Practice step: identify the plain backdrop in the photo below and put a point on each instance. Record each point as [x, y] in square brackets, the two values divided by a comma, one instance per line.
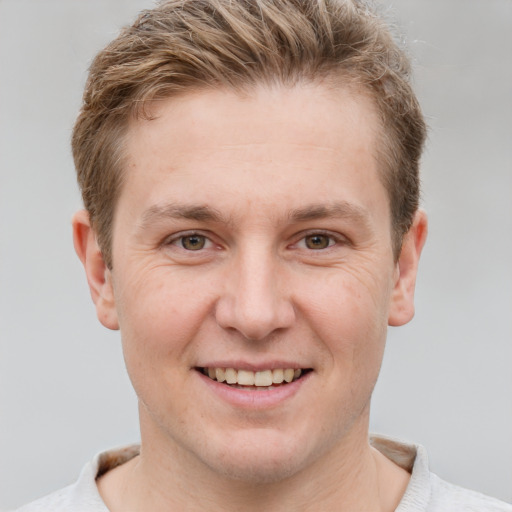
[446, 380]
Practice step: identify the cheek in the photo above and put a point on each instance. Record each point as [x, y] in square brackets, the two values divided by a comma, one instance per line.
[158, 326]
[160, 315]
[350, 328]
[349, 318]
[347, 304]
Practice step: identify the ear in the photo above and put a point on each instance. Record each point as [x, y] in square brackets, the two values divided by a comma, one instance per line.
[99, 276]
[402, 299]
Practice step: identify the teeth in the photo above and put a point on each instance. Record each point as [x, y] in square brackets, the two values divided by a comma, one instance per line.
[288, 374]
[246, 378]
[278, 376]
[220, 374]
[231, 376]
[262, 379]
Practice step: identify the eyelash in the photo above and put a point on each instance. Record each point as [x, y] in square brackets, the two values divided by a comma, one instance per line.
[333, 240]
[176, 239]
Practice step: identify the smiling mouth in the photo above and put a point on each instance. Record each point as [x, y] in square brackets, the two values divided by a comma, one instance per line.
[254, 381]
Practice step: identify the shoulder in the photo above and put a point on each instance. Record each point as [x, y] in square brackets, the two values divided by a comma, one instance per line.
[449, 497]
[427, 492]
[83, 495]
[60, 501]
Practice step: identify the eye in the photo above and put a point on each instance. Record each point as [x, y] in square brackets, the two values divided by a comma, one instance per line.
[320, 246]
[318, 241]
[193, 242]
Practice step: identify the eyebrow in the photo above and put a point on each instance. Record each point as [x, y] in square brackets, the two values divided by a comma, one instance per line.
[174, 211]
[340, 209]
[204, 213]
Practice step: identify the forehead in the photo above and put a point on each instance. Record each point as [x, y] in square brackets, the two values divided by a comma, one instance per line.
[258, 113]
[290, 140]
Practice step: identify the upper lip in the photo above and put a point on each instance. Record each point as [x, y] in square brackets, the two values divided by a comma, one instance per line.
[254, 367]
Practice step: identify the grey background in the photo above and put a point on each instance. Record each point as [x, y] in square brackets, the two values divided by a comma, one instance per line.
[446, 380]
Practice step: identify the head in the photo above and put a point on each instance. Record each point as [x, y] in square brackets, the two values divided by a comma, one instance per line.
[185, 46]
[250, 174]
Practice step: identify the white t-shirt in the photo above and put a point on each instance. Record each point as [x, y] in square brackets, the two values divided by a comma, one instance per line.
[425, 493]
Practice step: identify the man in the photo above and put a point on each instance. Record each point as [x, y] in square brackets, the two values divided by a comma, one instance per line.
[249, 171]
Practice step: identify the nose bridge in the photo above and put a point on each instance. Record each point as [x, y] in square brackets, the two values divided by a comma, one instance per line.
[256, 301]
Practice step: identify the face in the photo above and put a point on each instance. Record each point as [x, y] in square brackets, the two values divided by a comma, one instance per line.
[252, 243]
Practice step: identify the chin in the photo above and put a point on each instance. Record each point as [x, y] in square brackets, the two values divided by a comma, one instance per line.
[266, 460]
[258, 472]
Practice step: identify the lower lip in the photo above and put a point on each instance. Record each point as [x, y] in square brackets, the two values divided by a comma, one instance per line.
[253, 399]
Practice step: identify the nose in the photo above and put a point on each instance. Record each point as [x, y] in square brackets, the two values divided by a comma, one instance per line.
[255, 301]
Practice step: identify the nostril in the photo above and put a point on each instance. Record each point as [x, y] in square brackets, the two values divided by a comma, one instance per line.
[255, 322]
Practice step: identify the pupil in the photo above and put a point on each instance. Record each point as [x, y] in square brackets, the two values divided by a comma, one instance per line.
[193, 243]
[317, 242]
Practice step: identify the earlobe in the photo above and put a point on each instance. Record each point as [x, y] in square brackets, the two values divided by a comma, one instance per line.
[402, 298]
[99, 276]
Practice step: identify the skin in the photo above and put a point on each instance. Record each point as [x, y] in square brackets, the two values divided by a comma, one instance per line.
[256, 177]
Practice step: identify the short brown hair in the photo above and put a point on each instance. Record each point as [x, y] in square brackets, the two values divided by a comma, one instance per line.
[184, 45]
